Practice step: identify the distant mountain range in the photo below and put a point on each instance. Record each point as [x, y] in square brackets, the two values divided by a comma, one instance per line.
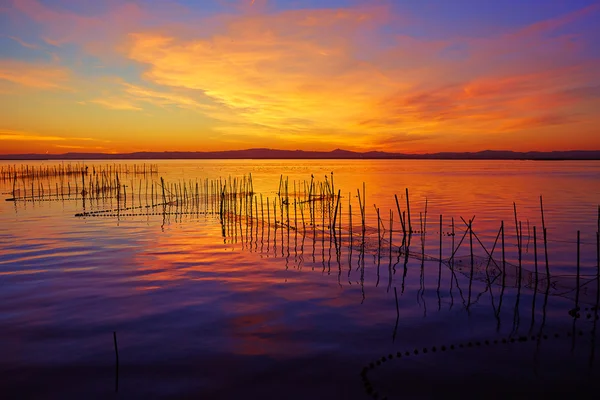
[265, 154]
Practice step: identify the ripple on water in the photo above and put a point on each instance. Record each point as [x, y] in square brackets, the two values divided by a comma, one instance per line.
[270, 317]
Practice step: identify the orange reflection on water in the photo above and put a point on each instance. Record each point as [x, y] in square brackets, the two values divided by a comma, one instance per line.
[260, 299]
[264, 333]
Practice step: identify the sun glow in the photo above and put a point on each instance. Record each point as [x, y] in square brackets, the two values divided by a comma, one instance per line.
[227, 77]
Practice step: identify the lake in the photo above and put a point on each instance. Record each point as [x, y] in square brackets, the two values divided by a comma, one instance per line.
[210, 293]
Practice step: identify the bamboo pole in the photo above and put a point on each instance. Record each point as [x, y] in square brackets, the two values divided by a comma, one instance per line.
[400, 215]
[410, 231]
[116, 362]
[441, 221]
[578, 270]
[545, 240]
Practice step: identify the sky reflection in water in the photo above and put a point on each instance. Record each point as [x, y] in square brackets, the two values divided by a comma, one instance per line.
[267, 309]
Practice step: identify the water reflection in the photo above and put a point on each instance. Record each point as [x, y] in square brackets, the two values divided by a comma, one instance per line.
[309, 268]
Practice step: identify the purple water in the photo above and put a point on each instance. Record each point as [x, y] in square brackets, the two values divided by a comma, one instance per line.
[273, 312]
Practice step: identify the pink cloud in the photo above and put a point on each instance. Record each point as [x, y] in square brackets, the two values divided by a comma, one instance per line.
[34, 75]
[64, 26]
[24, 43]
[549, 25]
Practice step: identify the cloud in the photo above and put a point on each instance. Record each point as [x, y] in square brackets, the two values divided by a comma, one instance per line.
[62, 26]
[15, 135]
[163, 99]
[99, 32]
[23, 43]
[116, 103]
[72, 146]
[127, 96]
[20, 141]
[385, 141]
[549, 25]
[276, 72]
[537, 122]
[340, 77]
[20, 137]
[34, 75]
[282, 72]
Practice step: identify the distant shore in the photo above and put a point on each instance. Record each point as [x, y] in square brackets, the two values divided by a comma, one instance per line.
[272, 154]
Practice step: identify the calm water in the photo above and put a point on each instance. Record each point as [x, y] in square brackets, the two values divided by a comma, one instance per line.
[276, 312]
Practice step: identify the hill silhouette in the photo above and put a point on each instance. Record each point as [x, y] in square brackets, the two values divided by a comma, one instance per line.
[266, 154]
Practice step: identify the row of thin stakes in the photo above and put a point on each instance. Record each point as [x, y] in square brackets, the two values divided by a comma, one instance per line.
[188, 197]
[296, 205]
[10, 172]
[311, 203]
[328, 214]
[316, 206]
[72, 181]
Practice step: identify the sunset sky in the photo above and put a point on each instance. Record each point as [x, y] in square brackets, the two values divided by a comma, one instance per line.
[411, 76]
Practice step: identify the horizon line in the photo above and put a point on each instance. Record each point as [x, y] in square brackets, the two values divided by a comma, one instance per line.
[267, 153]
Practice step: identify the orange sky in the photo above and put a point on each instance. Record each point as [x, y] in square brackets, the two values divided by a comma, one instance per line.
[121, 76]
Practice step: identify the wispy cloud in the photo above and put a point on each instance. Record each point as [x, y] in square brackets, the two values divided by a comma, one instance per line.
[77, 147]
[116, 103]
[34, 75]
[163, 98]
[23, 43]
[15, 135]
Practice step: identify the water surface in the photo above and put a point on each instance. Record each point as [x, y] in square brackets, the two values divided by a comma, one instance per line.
[297, 311]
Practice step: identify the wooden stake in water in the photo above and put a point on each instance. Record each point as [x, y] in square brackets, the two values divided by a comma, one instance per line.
[597, 265]
[400, 215]
[391, 230]
[440, 237]
[280, 183]
[364, 206]
[517, 227]
[578, 271]
[520, 253]
[116, 362]
[503, 255]
[535, 256]
[422, 236]
[408, 212]
[350, 226]
[471, 243]
[340, 224]
[362, 213]
[542, 210]
[535, 289]
[378, 231]
[545, 240]
[268, 212]
[453, 240]
[275, 213]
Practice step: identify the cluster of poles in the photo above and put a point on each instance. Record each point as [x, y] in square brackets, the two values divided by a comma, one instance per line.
[187, 197]
[312, 207]
[316, 208]
[25, 171]
[318, 215]
[73, 181]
